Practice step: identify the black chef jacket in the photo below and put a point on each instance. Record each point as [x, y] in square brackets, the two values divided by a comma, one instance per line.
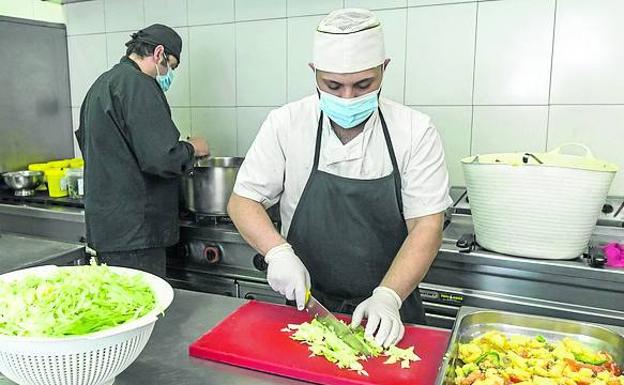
[133, 161]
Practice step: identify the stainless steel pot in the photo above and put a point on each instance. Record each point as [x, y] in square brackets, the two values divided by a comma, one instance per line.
[206, 189]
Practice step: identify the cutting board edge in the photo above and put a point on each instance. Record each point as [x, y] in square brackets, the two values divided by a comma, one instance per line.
[280, 370]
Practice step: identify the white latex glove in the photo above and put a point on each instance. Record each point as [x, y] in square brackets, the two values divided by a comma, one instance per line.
[287, 274]
[382, 311]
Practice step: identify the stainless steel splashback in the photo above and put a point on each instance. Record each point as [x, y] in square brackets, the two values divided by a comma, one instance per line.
[35, 113]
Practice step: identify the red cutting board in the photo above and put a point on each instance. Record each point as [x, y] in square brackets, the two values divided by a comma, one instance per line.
[251, 337]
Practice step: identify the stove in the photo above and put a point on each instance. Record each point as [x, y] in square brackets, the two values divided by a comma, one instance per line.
[213, 257]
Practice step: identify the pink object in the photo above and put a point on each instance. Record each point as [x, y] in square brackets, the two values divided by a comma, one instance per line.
[615, 254]
[251, 337]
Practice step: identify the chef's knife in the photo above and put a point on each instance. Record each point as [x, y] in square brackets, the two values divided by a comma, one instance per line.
[344, 332]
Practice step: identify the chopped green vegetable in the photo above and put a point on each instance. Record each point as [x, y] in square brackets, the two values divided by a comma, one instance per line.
[323, 341]
[586, 359]
[540, 339]
[71, 302]
[396, 354]
[492, 356]
[353, 338]
[469, 368]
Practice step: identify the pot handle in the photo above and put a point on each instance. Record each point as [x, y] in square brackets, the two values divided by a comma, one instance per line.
[588, 154]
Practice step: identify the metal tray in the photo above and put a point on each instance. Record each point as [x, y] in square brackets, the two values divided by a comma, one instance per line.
[472, 322]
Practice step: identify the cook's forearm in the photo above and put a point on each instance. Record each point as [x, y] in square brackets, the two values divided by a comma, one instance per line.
[254, 224]
[415, 255]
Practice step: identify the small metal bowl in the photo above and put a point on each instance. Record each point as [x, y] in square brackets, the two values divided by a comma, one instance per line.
[23, 182]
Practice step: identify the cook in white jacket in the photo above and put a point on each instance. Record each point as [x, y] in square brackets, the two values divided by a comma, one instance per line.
[361, 182]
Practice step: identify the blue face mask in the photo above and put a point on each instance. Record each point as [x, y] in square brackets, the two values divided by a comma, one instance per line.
[164, 81]
[348, 113]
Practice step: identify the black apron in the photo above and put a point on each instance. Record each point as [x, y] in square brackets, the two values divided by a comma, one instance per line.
[347, 233]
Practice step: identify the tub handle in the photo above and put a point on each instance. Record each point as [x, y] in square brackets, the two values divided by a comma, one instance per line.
[588, 154]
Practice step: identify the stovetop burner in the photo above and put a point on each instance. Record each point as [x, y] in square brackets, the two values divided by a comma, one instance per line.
[205, 219]
[212, 219]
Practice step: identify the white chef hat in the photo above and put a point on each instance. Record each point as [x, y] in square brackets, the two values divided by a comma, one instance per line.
[348, 40]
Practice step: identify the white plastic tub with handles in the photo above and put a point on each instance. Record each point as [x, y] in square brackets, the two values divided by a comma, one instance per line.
[544, 210]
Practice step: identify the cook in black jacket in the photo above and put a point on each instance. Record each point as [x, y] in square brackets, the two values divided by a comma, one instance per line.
[133, 156]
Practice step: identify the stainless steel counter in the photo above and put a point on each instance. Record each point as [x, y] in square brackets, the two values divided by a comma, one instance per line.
[60, 223]
[18, 251]
[165, 360]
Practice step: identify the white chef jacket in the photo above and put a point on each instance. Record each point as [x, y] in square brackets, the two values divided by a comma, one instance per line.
[279, 162]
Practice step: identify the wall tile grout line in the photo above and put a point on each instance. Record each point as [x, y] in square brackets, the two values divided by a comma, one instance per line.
[190, 93]
[474, 71]
[405, 53]
[236, 78]
[552, 59]
[144, 18]
[587, 104]
[427, 105]
[105, 35]
[106, 30]
[286, 96]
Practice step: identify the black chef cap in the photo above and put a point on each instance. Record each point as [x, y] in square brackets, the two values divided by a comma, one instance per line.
[158, 34]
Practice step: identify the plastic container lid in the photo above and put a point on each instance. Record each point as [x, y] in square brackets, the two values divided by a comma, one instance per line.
[76, 163]
[38, 166]
[59, 163]
[55, 172]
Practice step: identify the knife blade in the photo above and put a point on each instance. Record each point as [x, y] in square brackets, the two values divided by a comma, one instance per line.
[344, 332]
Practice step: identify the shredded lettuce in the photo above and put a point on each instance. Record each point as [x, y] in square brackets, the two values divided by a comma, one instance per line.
[405, 356]
[71, 302]
[323, 341]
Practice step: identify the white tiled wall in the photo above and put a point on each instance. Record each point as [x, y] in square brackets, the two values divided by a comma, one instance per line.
[493, 126]
[87, 61]
[513, 51]
[123, 15]
[32, 9]
[218, 124]
[440, 54]
[495, 75]
[249, 120]
[261, 63]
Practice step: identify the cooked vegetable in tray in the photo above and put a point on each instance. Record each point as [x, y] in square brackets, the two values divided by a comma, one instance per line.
[496, 359]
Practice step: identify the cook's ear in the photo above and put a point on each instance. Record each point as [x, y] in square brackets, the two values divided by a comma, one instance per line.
[158, 53]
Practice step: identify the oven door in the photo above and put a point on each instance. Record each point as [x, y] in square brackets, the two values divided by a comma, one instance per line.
[204, 283]
[259, 292]
[443, 302]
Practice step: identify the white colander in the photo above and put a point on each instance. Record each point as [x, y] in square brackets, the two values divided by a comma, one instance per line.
[93, 359]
